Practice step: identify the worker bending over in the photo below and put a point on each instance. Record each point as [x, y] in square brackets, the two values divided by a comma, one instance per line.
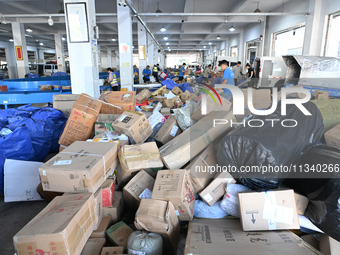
[112, 79]
[206, 73]
[237, 72]
[181, 72]
[146, 73]
[155, 71]
[228, 78]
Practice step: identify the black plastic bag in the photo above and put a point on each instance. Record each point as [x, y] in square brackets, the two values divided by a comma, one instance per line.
[268, 146]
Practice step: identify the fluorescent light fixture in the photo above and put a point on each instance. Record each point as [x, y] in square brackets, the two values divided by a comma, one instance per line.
[231, 29]
[29, 30]
[64, 39]
[167, 43]
[41, 44]
[11, 40]
[163, 29]
[113, 39]
[204, 47]
[50, 21]
[165, 38]
[218, 37]
[210, 43]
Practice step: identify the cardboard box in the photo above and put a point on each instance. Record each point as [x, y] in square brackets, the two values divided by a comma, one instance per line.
[113, 250]
[168, 103]
[115, 212]
[143, 96]
[301, 203]
[332, 136]
[211, 106]
[99, 206]
[176, 90]
[225, 237]
[56, 227]
[134, 125]
[107, 117]
[328, 245]
[175, 186]
[158, 98]
[185, 96]
[81, 167]
[80, 123]
[321, 94]
[139, 187]
[216, 189]
[103, 226]
[119, 233]
[45, 87]
[202, 168]
[192, 141]
[121, 139]
[136, 157]
[165, 111]
[108, 189]
[261, 98]
[158, 91]
[165, 91]
[102, 127]
[94, 246]
[116, 102]
[175, 79]
[168, 131]
[312, 240]
[65, 102]
[159, 217]
[270, 210]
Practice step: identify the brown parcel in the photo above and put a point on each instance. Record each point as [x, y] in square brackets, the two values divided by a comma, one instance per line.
[134, 125]
[165, 111]
[118, 101]
[119, 233]
[261, 98]
[270, 210]
[328, 245]
[225, 237]
[320, 94]
[159, 217]
[192, 141]
[143, 96]
[104, 224]
[140, 186]
[64, 102]
[185, 96]
[197, 114]
[80, 123]
[136, 157]
[216, 189]
[332, 136]
[200, 168]
[113, 250]
[301, 203]
[93, 246]
[81, 167]
[56, 227]
[176, 90]
[158, 98]
[168, 131]
[115, 212]
[175, 186]
[168, 103]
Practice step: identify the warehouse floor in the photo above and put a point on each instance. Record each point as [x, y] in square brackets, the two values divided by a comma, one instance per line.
[13, 216]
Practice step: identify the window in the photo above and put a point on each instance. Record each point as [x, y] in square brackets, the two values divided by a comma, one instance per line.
[233, 51]
[289, 41]
[222, 52]
[332, 42]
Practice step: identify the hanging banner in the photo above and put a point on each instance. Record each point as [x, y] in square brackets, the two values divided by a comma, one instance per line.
[18, 50]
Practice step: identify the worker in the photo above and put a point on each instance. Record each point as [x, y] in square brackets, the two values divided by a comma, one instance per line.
[237, 72]
[181, 72]
[135, 69]
[146, 73]
[206, 73]
[228, 78]
[112, 79]
[251, 76]
[155, 71]
[175, 68]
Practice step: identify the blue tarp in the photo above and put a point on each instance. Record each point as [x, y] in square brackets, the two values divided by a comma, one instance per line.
[170, 84]
[60, 74]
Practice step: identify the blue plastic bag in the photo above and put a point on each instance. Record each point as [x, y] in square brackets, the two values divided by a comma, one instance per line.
[40, 133]
[170, 84]
[32, 75]
[186, 86]
[4, 114]
[2, 163]
[29, 108]
[57, 127]
[48, 113]
[203, 210]
[60, 74]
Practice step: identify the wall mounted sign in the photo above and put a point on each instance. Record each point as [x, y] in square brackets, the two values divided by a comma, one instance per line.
[76, 16]
[18, 50]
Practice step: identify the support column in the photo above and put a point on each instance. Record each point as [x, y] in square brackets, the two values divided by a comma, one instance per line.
[240, 53]
[142, 39]
[41, 55]
[84, 55]
[59, 52]
[124, 18]
[99, 59]
[155, 61]
[18, 31]
[109, 57]
[117, 60]
[312, 32]
[150, 52]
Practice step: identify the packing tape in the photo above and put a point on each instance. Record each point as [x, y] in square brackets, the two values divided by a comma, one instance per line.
[269, 209]
[102, 101]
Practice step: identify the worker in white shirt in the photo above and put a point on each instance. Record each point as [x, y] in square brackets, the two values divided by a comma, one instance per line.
[206, 73]
[237, 72]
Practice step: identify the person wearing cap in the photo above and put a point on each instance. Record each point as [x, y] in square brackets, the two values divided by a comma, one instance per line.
[112, 79]
[237, 72]
[228, 78]
[155, 71]
[146, 73]
[181, 72]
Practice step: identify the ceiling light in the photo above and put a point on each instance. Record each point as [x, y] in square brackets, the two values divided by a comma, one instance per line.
[11, 40]
[50, 21]
[257, 9]
[158, 10]
[29, 30]
[259, 20]
[200, 49]
[231, 29]
[163, 29]
[133, 47]
[64, 39]
[3, 21]
[113, 39]
[226, 19]
[167, 43]
[37, 40]
[210, 43]
[204, 46]
[218, 37]
[41, 44]
[168, 47]
[28, 35]
[165, 38]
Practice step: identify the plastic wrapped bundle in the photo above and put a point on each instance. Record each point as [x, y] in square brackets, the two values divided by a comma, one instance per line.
[183, 115]
[203, 210]
[142, 242]
[230, 203]
[255, 153]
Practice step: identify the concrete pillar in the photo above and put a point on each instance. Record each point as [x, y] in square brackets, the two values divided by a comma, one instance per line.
[109, 57]
[155, 61]
[142, 41]
[125, 47]
[41, 55]
[150, 59]
[117, 60]
[313, 29]
[100, 66]
[84, 55]
[18, 31]
[240, 54]
[59, 52]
